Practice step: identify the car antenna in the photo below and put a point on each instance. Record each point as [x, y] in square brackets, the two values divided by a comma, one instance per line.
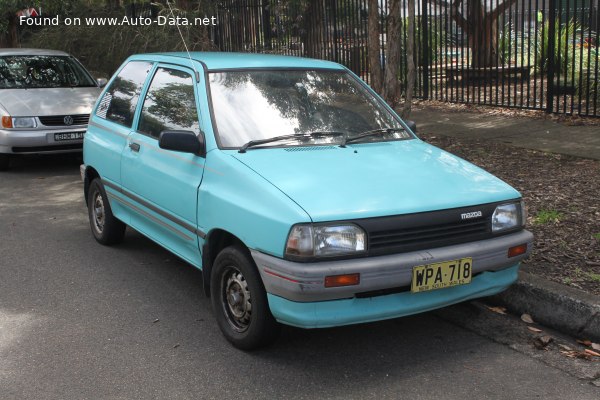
[184, 44]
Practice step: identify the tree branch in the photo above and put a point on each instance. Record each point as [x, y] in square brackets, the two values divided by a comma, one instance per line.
[501, 8]
[457, 15]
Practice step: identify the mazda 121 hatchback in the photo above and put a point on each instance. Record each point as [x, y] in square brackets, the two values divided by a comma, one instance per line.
[303, 198]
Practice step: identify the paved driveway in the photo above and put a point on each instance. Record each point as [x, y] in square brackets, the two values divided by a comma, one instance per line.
[83, 321]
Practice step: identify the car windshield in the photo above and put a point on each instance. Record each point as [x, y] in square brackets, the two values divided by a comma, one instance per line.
[33, 72]
[255, 105]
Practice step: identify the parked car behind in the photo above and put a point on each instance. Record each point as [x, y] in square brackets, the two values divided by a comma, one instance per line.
[300, 194]
[45, 101]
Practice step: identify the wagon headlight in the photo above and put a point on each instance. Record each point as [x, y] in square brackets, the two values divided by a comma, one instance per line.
[307, 240]
[23, 122]
[508, 216]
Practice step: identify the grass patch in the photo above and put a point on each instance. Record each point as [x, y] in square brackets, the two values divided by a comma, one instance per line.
[594, 277]
[596, 236]
[547, 216]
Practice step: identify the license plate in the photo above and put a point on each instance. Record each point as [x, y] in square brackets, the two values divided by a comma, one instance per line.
[58, 137]
[441, 275]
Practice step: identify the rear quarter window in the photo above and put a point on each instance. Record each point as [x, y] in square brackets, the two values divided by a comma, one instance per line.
[120, 100]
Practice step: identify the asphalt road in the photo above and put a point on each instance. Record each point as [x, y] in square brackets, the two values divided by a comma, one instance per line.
[82, 321]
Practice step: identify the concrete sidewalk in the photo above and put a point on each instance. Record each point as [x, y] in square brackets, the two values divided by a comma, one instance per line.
[531, 133]
[561, 307]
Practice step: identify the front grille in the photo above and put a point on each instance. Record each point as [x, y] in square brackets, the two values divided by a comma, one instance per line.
[410, 235]
[426, 230]
[59, 120]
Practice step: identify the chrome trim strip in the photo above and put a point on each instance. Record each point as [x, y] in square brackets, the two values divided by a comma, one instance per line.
[104, 129]
[160, 212]
[147, 215]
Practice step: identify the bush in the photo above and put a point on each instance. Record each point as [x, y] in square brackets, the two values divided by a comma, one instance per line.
[102, 49]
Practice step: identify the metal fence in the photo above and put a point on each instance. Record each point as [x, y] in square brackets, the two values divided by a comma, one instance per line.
[534, 54]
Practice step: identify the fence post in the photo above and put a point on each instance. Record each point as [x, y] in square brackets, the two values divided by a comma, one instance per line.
[266, 24]
[550, 70]
[424, 49]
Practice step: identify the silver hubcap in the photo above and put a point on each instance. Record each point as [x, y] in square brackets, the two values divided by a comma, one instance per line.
[237, 302]
[98, 212]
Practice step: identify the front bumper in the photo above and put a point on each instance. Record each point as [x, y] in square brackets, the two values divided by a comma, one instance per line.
[324, 314]
[304, 282]
[32, 141]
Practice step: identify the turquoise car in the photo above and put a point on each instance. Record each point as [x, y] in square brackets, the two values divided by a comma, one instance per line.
[301, 195]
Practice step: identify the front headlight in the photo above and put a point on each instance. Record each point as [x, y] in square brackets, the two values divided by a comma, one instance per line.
[24, 122]
[307, 240]
[508, 216]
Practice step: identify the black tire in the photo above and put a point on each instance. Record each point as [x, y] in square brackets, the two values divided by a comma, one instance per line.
[239, 301]
[106, 229]
[4, 162]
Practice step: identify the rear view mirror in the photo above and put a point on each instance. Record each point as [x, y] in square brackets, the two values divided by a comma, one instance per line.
[412, 125]
[102, 82]
[183, 141]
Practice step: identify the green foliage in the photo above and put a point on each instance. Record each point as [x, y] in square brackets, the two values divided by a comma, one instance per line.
[563, 51]
[10, 7]
[596, 236]
[103, 48]
[547, 216]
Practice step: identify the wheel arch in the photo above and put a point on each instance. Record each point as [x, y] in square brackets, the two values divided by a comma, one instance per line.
[215, 241]
[90, 175]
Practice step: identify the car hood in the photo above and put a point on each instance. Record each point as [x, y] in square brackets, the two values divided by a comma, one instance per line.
[375, 179]
[51, 101]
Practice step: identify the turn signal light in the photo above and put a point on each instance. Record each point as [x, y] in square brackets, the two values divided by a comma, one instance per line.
[342, 280]
[7, 122]
[517, 250]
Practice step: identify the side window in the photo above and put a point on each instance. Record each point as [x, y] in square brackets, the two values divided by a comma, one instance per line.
[120, 99]
[169, 104]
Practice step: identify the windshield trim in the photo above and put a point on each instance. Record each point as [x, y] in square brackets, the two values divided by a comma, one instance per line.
[349, 73]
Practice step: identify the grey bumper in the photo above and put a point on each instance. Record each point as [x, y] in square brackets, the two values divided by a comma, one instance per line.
[37, 138]
[304, 282]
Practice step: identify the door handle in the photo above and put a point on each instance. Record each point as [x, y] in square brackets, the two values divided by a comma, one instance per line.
[134, 146]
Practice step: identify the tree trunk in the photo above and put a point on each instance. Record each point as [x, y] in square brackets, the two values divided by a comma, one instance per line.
[483, 37]
[410, 60]
[391, 85]
[11, 37]
[480, 25]
[374, 47]
[314, 29]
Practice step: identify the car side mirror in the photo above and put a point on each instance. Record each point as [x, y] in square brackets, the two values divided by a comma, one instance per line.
[102, 82]
[412, 125]
[183, 141]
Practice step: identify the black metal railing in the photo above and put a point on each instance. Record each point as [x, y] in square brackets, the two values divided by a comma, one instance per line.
[533, 54]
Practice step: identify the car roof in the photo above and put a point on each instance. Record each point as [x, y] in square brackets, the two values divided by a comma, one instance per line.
[31, 52]
[226, 60]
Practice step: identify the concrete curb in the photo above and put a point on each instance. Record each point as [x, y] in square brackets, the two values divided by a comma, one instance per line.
[560, 307]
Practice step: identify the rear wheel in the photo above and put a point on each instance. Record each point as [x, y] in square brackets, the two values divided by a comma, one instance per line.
[105, 227]
[4, 162]
[239, 301]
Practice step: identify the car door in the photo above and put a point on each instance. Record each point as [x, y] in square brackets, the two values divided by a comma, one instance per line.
[110, 126]
[162, 185]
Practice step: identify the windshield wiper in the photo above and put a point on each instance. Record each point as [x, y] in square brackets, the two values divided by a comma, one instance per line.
[310, 135]
[374, 132]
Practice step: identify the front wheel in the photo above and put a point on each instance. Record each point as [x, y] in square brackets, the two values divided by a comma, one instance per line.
[105, 227]
[239, 301]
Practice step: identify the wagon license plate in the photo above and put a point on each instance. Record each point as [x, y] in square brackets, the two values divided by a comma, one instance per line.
[441, 275]
[58, 137]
